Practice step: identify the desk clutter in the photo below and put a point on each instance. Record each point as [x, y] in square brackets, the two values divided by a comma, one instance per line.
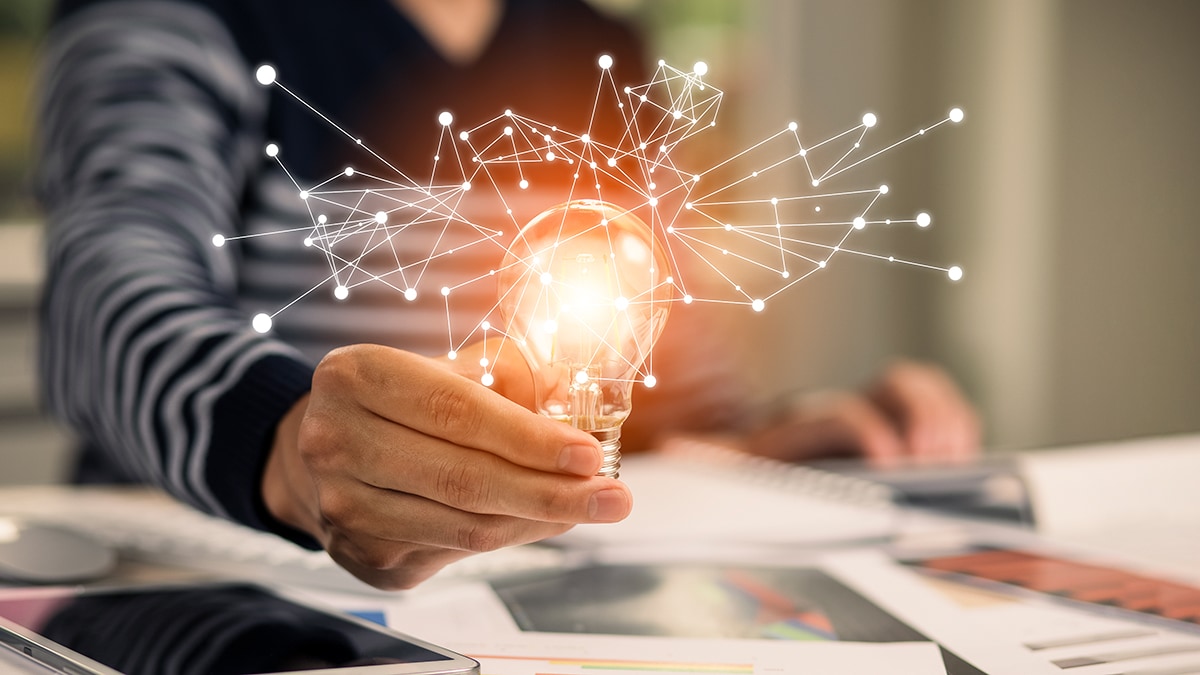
[731, 565]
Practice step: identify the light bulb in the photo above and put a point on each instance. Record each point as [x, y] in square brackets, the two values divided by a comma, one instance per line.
[584, 293]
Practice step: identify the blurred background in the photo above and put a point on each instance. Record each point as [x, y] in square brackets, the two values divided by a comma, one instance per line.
[1066, 196]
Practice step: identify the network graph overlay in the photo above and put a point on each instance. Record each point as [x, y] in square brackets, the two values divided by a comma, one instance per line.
[731, 234]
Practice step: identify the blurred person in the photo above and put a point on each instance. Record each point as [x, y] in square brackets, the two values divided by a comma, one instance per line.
[337, 429]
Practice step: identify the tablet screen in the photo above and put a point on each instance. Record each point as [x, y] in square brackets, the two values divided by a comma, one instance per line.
[227, 628]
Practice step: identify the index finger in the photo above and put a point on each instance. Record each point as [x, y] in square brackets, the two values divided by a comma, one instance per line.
[416, 392]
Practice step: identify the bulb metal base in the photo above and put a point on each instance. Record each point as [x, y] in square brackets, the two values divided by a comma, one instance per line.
[610, 444]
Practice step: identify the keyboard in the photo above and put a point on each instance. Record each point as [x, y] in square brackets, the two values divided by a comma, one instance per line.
[149, 526]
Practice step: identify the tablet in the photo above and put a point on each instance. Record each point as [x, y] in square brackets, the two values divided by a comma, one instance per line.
[207, 629]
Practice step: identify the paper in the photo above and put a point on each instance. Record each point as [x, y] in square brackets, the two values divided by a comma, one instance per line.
[542, 654]
[677, 500]
[1009, 634]
[1137, 498]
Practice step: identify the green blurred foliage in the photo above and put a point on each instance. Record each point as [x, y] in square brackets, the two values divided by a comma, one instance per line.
[21, 24]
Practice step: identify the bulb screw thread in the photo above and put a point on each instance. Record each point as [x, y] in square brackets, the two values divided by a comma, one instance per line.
[610, 445]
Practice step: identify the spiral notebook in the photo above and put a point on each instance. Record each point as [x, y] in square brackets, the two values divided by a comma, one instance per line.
[697, 491]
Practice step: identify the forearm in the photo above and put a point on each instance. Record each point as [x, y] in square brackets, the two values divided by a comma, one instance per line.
[148, 135]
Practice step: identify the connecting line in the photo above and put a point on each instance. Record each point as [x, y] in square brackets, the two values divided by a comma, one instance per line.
[657, 117]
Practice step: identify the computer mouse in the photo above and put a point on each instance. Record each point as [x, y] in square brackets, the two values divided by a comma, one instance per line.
[42, 553]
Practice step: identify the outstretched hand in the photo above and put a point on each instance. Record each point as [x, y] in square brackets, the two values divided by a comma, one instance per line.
[912, 411]
[398, 465]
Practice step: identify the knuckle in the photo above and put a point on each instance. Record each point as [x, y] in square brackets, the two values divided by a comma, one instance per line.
[460, 484]
[451, 408]
[338, 510]
[483, 535]
[337, 367]
[560, 503]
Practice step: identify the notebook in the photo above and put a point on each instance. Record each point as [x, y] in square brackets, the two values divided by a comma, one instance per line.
[698, 491]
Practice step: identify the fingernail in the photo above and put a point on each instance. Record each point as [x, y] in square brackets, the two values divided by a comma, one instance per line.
[607, 506]
[581, 460]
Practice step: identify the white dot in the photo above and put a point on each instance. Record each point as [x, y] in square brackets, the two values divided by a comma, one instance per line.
[821, 264]
[687, 299]
[661, 63]
[670, 229]
[792, 126]
[261, 323]
[774, 201]
[650, 381]
[547, 279]
[304, 194]
[483, 362]
[272, 150]
[700, 68]
[445, 118]
[605, 61]
[508, 131]
[308, 242]
[860, 223]
[550, 156]
[621, 303]
[956, 115]
[218, 240]
[265, 74]
[410, 294]
[869, 120]
[508, 112]
[653, 201]
[486, 325]
[883, 189]
[321, 219]
[381, 217]
[757, 305]
[696, 178]
[652, 186]
[803, 152]
[642, 98]
[445, 290]
[817, 209]
[786, 274]
[816, 182]
[349, 171]
[688, 206]
[452, 355]
[676, 114]
[487, 379]
[581, 376]
[341, 292]
[955, 273]
[462, 135]
[923, 219]
[585, 138]
[891, 258]
[466, 186]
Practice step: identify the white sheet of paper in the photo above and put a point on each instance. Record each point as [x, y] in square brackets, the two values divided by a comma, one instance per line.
[678, 501]
[538, 653]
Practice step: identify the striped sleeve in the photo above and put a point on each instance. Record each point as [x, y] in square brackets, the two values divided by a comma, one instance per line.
[149, 129]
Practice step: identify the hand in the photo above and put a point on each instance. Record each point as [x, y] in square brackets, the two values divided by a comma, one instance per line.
[399, 466]
[912, 411]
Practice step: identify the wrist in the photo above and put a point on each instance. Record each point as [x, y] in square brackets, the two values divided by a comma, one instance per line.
[287, 489]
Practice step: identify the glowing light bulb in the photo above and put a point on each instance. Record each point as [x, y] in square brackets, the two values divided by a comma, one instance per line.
[597, 275]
